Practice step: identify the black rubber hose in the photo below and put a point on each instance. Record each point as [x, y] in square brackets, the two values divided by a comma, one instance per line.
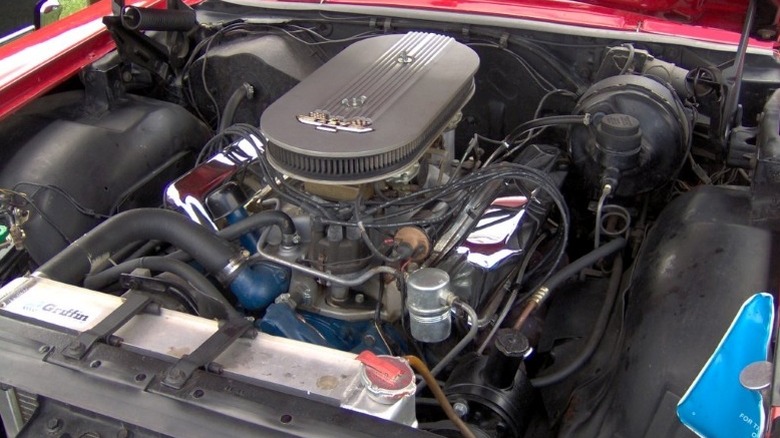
[135, 18]
[596, 335]
[543, 292]
[245, 91]
[252, 223]
[127, 253]
[75, 261]
[210, 302]
[583, 262]
[259, 220]
[144, 251]
[544, 122]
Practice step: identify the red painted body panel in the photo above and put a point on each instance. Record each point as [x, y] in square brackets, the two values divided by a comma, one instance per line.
[723, 14]
[39, 61]
[570, 12]
[35, 63]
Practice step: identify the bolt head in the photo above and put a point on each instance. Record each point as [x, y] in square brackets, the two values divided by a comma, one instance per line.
[53, 424]
[461, 408]
[77, 347]
[175, 375]
[767, 34]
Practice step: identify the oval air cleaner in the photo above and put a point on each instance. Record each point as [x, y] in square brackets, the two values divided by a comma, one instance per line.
[372, 110]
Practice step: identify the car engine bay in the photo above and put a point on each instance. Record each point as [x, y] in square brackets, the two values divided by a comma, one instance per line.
[320, 221]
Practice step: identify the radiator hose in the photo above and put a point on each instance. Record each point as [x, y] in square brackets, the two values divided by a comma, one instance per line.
[253, 287]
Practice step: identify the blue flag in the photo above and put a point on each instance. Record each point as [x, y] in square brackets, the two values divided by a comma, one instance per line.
[717, 405]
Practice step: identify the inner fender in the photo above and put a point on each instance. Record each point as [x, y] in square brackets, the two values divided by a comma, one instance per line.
[699, 263]
[60, 155]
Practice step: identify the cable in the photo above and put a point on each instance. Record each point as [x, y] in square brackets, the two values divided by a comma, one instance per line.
[455, 194]
[428, 378]
[378, 317]
[610, 211]
[27, 200]
[547, 121]
[605, 192]
[148, 177]
[145, 249]
[513, 296]
[596, 335]
[471, 146]
[504, 311]
[325, 40]
[68, 197]
[206, 87]
[129, 251]
[367, 240]
[205, 45]
[532, 124]
[472, 333]
[543, 100]
[537, 113]
[540, 80]
[629, 58]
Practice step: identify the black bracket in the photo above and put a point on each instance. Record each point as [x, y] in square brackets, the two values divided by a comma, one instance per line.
[103, 84]
[204, 355]
[138, 48]
[134, 304]
[141, 280]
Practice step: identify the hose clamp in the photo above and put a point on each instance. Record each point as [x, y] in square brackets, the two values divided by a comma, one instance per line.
[230, 271]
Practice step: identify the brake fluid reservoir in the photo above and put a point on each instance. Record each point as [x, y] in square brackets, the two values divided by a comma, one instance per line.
[429, 311]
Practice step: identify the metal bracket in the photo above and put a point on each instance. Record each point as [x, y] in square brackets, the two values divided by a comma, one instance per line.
[504, 41]
[138, 48]
[117, 6]
[465, 32]
[134, 304]
[141, 280]
[103, 84]
[388, 25]
[204, 355]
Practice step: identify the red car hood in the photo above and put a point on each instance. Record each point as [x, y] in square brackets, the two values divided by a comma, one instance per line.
[723, 14]
[639, 15]
[38, 62]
